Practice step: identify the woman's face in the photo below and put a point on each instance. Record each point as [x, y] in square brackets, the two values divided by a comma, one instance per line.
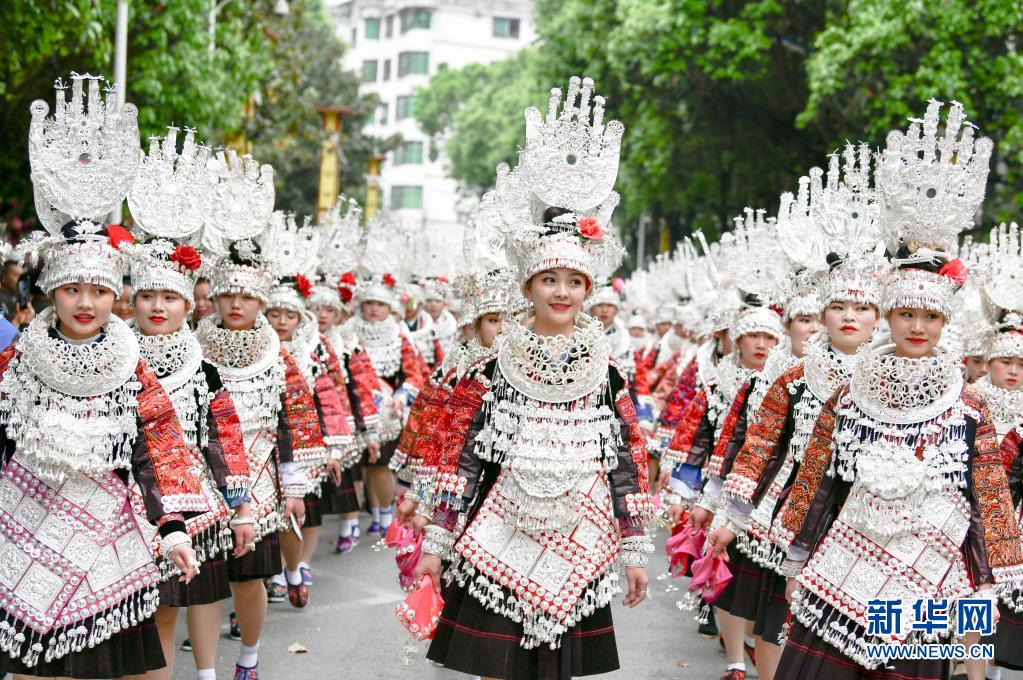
[915, 331]
[122, 305]
[284, 321]
[1006, 372]
[159, 312]
[976, 368]
[490, 326]
[327, 318]
[82, 309]
[605, 313]
[557, 296]
[203, 303]
[800, 328]
[375, 311]
[849, 324]
[754, 348]
[238, 311]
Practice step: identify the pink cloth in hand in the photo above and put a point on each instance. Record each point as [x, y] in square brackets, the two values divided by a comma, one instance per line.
[420, 611]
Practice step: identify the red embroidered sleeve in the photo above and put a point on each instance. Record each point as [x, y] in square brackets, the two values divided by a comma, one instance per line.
[366, 383]
[229, 432]
[176, 468]
[991, 486]
[761, 438]
[1010, 447]
[811, 472]
[413, 367]
[300, 411]
[685, 432]
[637, 504]
[713, 467]
[641, 383]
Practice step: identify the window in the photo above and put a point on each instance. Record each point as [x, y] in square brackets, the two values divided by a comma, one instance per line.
[389, 26]
[372, 30]
[506, 28]
[413, 63]
[414, 17]
[403, 197]
[369, 71]
[409, 153]
[387, 69]
[405, 107]
[382, 111]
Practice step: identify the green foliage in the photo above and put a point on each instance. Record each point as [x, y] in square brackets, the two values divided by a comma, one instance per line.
[288, 65]
[727, 102]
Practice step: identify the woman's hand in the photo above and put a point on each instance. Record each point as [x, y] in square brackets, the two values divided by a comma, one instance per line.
[406, 509]
[374, 451]
[183, 558]
[429, 564]
[675, 512]
[244, 534]
[334, 471]
[637, 586]
[700, 518]
[294, 507]
[790, 587]
[719, 540]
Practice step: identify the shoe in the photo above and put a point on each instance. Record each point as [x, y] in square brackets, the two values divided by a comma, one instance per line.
[375, 528]
[236, 631]
[345, 545]
[186, 645]
[709, 629]
[298, 595]
[356, 534]
[243, 673]
[275, 592]
[751, 652]
[307, 575]
[734, 674]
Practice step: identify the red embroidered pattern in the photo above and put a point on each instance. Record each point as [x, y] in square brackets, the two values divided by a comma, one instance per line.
[366, 382]
[413, 367]
[811, 471]
[715, 461]
[685, 433]
[637, 445]
[175, 466]
[300, 410]
[229, 431]
[762, 437]
[641, 381]
[1010, 447]
[330, 363]
[1001, 531]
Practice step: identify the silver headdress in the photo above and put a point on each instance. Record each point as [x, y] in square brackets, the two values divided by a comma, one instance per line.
[84, 160]
[291, 254]
[486, 284]
[1002, 265]
[752, 258]
[384, 252]
[163, 265]
[570, 162]
[930, 188]
[173, 194]
[340, 232]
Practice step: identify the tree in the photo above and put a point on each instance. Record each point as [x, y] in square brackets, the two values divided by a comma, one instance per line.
[289, 64]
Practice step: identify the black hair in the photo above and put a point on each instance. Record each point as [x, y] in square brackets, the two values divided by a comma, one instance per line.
[752, 300]
[930, 266]
[237, 258]
[833, 259]
[548, 219]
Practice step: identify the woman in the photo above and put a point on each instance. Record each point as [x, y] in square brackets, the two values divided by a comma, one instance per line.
[299, 333]
[80, 411]
[487, 297]
[402, 373]
[775, 442]
[162, 277]
[360, 382]
[279, 424]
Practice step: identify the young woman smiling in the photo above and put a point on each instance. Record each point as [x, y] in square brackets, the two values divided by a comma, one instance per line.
[279, 423]
[163, 278]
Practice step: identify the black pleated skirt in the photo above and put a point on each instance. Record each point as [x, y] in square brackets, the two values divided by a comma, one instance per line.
[807, 657]
[263, 562]
[773, 608]
[1008, 639]
[211, 585]
[133, 651]
[472, 639]
[741, 597]
[313, 511]
[334, 499]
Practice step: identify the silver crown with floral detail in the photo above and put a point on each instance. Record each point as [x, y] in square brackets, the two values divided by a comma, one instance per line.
[173, 194]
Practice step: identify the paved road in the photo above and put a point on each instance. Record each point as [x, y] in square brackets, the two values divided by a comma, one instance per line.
[350, 630]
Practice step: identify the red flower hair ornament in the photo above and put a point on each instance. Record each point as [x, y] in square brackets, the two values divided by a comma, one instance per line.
[348, 278]
[589, 228]
[187, 257]
[955, 270]
[305, 287]
[118, 235]
[389, 281]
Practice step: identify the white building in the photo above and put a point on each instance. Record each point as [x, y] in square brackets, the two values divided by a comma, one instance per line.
[397, 46]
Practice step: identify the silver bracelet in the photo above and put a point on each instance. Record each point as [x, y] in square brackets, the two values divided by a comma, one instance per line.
[635, 551]
[172, 541]
[791, 568]
[438, 541]
[241, 521]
